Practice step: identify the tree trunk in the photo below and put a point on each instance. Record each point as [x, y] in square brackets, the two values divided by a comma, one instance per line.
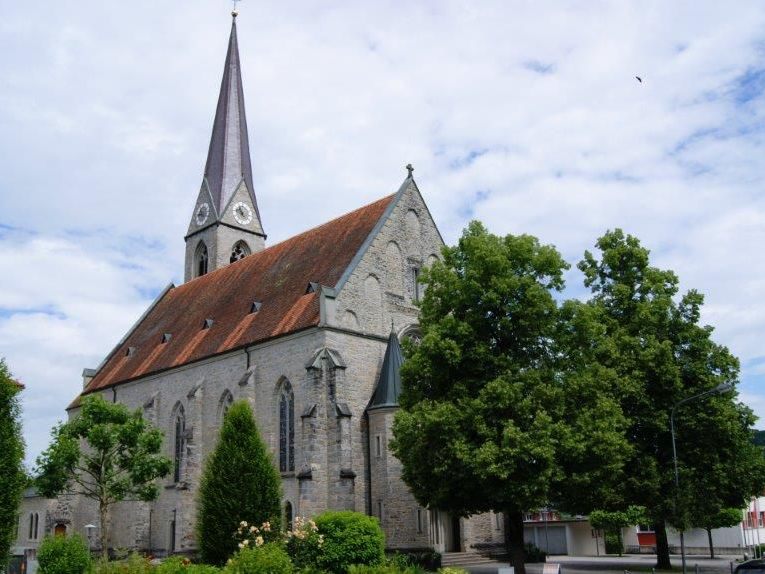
[103, 511]
[514, 540]
[711, 546]
[662, 546]
[621, 541]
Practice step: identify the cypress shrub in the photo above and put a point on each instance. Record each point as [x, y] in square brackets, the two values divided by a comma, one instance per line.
[239, 483]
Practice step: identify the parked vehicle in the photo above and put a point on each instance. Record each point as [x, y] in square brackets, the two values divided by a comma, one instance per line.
[756, 566]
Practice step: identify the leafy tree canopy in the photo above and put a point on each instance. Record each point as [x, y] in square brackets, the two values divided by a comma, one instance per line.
[12, 474]
[486, 419]
[616, 519]
[106, 453]
[661, 354]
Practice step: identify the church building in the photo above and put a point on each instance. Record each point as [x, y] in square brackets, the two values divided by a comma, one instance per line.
[306, 330]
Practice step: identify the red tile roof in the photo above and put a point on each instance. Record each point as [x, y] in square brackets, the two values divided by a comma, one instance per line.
[278, 277]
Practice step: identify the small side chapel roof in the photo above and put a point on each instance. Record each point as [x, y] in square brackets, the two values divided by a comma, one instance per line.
[389, 384]
[276, 277]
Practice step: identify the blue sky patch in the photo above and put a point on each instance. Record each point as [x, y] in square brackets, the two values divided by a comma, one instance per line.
[50, 310]
[539, 67]
[467, 159]
[467, 209]
[749, 86]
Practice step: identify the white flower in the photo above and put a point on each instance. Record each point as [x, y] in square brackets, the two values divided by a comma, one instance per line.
[259, 541]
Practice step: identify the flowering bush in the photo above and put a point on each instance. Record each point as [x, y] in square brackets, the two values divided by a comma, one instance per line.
[304, 543]
[251, 536]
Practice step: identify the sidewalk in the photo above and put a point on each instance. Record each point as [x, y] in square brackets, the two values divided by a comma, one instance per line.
[617, 565]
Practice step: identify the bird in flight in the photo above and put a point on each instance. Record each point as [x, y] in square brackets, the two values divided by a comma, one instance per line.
[639, 79]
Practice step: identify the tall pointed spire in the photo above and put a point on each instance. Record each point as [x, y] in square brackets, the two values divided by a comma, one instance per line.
[225, 225]
[228, 159]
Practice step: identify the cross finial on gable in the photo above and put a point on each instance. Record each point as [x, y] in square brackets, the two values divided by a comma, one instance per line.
[410, 169]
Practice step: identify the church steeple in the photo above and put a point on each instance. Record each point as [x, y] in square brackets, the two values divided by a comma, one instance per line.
[228, 159]
[226, 225]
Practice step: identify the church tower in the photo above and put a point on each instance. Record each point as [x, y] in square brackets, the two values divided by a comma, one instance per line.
[225, 225]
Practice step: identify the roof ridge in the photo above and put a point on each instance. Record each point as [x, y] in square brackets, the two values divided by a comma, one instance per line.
[270, 248]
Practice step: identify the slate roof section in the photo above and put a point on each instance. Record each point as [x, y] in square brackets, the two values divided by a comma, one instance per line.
[228, 158]
[276, 276]
[389, 384]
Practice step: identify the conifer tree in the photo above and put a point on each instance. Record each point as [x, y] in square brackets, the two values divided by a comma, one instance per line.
[12, 475]
[239, 483]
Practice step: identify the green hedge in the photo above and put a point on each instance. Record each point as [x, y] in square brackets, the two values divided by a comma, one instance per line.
[267, 559]
[63, 555]
[349, 538]
[178, 565]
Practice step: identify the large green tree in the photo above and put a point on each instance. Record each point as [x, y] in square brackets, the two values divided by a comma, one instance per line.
[492, 417]
[653, 340]
[239, 483]
[106, 453]
[12, 474]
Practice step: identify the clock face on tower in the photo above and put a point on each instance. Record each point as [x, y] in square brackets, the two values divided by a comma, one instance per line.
[202, 213]
[242, 213]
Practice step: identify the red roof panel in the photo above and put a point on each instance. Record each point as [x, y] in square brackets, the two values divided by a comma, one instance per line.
[277, 277]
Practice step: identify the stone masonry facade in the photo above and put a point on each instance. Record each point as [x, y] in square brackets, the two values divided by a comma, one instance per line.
[332, 370]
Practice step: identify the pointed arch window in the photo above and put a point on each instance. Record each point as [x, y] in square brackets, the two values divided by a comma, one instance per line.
[226, 400]
[179, 444]
[201, 259]
[34, 523]
[288, 515]
[286, 428]
[240, 251]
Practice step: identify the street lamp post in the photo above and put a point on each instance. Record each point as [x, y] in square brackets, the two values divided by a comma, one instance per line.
[721, 388]
[89, 528]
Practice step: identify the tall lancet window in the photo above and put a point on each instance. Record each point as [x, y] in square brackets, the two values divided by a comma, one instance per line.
[180, 432]
[240, 251]
[201, 259]
[286, 428]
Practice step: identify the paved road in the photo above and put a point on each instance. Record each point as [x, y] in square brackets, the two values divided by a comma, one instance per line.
[616, 565]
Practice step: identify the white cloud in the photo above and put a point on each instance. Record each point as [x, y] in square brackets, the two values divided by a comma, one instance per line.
[525, 115]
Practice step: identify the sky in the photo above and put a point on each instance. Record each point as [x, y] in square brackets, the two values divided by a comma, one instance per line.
[525, 115]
